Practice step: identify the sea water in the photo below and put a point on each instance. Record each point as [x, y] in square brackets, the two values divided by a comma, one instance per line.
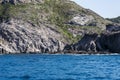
[59, 67]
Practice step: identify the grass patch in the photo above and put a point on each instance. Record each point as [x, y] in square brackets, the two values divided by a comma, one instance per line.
[56, 12]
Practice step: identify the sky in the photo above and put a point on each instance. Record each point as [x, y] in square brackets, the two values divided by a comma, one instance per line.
[105, 8]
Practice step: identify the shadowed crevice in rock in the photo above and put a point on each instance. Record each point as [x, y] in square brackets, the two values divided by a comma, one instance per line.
[27, 26]
[105, 42]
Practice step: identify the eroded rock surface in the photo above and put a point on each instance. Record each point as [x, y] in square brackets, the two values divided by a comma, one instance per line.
[106, 42]
[81, 20]
[48, 27]
[18, 36]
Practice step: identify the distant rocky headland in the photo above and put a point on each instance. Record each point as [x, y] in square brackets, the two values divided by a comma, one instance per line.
[55, 26]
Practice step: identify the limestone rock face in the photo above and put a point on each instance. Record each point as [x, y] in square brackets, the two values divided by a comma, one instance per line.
[19, 37]
[21, 1]
[107, 42]
[87, 43]
[110, 42]
[29, 26]
[113, 27]
[81, 20]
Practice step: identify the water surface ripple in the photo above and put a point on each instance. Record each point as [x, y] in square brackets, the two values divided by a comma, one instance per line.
[59, 67]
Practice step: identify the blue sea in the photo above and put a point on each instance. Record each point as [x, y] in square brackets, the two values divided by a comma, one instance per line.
[59, 67]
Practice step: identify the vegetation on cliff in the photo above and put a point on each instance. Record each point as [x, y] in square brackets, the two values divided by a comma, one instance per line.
[115, 20]
[63, 18]
[56, 12]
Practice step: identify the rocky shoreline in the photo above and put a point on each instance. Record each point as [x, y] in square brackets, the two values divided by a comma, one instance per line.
[105, 43]
[94, 43]
[70, 52]
[55, 26]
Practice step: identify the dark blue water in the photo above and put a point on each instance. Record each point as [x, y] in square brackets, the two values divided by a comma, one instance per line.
[59, 67]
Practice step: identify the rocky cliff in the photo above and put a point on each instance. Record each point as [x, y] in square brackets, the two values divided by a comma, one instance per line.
[94, 43]
[18, 37]
[46, 26]
[115, 20]
[110, 42]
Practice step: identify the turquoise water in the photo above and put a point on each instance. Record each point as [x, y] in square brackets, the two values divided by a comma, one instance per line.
[59, 67]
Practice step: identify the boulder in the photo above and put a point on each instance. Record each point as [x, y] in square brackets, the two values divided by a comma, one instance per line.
[81, 20]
